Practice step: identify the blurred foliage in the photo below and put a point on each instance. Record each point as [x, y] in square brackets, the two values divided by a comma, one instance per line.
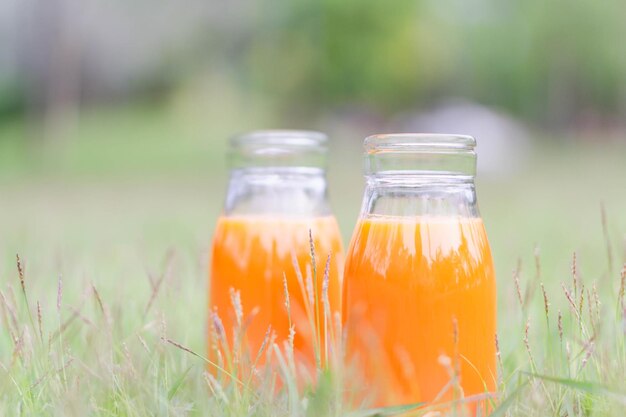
[547, 62]
[552, 63]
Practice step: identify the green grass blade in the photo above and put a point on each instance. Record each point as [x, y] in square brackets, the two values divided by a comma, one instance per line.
[506, 403]
[585, 386]
[177, 384]
[385, 411]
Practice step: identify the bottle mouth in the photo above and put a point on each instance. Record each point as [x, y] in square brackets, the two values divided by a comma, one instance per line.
[279, 148]
[277, 137]
[418, 142]
[420, 155]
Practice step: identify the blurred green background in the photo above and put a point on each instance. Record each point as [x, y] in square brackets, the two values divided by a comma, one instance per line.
[114, 117]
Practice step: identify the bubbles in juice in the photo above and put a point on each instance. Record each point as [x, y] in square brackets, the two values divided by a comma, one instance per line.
[420, 301]
[251, 254]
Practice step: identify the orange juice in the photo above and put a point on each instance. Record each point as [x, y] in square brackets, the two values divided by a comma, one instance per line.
[419, 292]
[253, 254]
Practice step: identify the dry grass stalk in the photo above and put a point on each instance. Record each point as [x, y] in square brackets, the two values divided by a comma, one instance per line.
[156, 285]
[575, 274]
[266, 340]
[596, 300]
[310, 291]
[129, 360]
[571, 301]
[516, 279]
[301, 283]
[532, 284]
[499, 354]
[40, 327]
[289, 344]
[75, 314]
[316, 303]
[59, 293]
[312, 251]
[216, 388]
[581, 303]
[20, 271]
[327, 331]
[163, 328]
[18, 343]
[213, 333]
[546, 305]
[458, 389]
[22, 276]
[144, 344]
[527, 345]
[592, 319]
[81, 316]
[9, 310]
[286, 291]
[179, 346]
[220, 332]
[607, 238]
[222, 347]
[235, 299]
[589, 348]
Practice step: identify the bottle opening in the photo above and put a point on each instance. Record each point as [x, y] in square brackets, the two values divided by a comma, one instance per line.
[414, 142]
[421, 155]
[303, 138]
[279, 148]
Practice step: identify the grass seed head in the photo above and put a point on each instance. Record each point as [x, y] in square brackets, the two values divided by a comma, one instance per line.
[39, 321]
[218, 326]
[20, 272]
[546, 303]
[286, 291]
[516, 279]
[575, 273]
[570, 299]
[59, 293]
[235, 299]
[312, 247]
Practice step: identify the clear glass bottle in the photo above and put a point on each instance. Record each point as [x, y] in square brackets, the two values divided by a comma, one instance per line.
[277, 193]
[419, 284]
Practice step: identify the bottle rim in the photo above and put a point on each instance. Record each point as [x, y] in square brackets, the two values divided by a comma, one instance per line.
[418, 142]
[280, 137]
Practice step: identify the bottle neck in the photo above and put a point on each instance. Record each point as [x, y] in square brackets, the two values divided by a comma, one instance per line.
[410, 194]
[420, 175]
[277, 191]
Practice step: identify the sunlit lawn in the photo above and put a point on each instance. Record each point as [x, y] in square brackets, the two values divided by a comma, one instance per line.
[103, 209]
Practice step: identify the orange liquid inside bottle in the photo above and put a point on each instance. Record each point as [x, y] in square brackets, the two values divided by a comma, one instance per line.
[252, 254]
[418, 290]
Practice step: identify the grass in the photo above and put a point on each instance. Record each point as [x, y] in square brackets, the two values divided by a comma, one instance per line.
[121, 353]
[108, 314]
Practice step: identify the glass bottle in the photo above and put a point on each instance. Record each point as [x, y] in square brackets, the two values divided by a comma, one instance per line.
[277, 195]
[419, 284]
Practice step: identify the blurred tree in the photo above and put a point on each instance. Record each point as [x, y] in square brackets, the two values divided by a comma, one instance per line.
[556, 63]
[316, 53]
[547, 62]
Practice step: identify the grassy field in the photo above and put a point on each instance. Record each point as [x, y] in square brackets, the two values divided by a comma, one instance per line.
[113, 229]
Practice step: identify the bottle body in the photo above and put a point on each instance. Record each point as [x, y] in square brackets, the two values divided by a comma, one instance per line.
[419, 285]
[262, 244]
